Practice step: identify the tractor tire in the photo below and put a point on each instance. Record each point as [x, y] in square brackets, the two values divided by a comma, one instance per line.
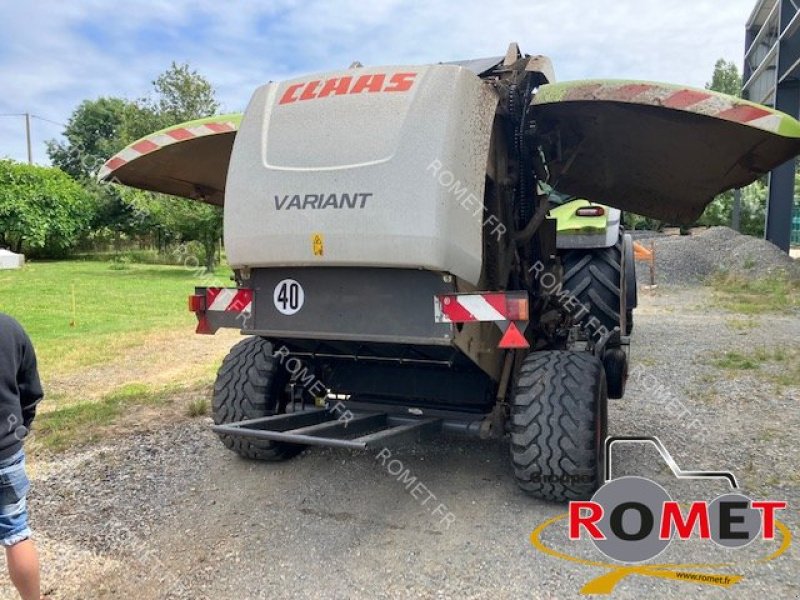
[596, 278]
[248, 387]
[559, 425]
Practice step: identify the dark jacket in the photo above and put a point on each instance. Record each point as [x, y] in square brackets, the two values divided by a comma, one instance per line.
[20, 388]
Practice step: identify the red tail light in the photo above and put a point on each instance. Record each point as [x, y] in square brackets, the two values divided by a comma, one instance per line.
[590, 211]
[197, 303]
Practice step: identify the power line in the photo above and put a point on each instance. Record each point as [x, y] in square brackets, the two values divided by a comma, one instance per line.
[49, 121]
[28, 117]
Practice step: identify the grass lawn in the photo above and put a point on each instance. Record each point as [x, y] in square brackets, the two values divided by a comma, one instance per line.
[772, 294]
[127, 346]
[114, 308]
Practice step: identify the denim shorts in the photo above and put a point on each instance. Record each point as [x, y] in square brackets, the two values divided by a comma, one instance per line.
[14, 487]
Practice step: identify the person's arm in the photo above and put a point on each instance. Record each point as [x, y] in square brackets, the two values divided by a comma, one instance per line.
[30, 387]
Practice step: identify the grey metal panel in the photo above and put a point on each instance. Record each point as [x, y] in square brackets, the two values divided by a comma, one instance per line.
[366, 304]
[477, 65]
[770, 75]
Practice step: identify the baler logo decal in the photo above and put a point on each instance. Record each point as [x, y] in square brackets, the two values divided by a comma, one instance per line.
[318, 201]
[347, 85]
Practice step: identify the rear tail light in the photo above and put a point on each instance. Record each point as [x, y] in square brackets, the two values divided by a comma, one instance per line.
[197, 303]
[517, 309]
[590, 211]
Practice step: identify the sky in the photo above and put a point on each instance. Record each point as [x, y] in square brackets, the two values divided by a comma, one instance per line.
[56, 53]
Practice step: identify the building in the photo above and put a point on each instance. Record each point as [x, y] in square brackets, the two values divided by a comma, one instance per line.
[771, 76]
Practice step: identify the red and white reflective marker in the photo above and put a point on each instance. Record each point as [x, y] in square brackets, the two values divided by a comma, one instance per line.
[229, 299]
[513, 337]
[508, 309]
[480, 306]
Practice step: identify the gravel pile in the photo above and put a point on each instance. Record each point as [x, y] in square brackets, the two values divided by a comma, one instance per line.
[691, 259]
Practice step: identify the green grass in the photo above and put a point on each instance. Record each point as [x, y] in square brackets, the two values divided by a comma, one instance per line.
[744, 325]
[87, 422]
[198, 407]
[113, 308]
[774, 293]
[62, 428]
[736, 361]
[779, 366]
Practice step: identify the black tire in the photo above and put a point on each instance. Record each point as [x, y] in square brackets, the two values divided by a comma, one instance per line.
[615, 364]
[595, 277]
[248, 387]
[559, 425]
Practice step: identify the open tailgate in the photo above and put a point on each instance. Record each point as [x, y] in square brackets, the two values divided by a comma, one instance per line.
[656, 149]
[189, 160]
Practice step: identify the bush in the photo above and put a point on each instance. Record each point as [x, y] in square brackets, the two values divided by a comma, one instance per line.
[43, 212]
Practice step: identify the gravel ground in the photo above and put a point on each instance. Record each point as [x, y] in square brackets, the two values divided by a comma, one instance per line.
[170, 513]
[692, 259]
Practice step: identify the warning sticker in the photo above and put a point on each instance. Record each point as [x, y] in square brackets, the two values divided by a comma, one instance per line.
[317, 244]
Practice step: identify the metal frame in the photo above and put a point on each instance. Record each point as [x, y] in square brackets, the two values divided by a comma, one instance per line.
[321, 427]
[771, 76]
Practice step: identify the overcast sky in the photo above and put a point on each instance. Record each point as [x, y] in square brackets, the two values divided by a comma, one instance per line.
[56, 53]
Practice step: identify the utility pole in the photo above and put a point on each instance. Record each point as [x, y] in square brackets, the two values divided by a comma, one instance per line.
[736, 212]
[28, 136]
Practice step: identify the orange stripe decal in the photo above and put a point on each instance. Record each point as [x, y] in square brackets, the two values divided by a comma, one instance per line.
[685, 98]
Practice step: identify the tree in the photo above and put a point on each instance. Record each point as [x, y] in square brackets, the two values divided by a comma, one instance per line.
[41, 209]
[187, 219]
[726, 78]
[94, 132]
[100, 128]
[182, 94]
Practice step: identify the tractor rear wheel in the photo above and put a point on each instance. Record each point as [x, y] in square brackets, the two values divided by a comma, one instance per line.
[559, 425]
[248, 386]
[596, 278]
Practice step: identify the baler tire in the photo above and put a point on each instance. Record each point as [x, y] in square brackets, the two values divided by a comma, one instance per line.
[595, 277]
[559, 425]
[615, 364]
[246, 388]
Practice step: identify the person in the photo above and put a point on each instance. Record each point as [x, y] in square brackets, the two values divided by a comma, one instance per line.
[20, 392]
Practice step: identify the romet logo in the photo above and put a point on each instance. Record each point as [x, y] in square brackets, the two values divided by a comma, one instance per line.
[633, 519]
[347, 85]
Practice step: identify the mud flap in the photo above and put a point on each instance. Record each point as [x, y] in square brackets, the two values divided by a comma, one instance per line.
[659, 150]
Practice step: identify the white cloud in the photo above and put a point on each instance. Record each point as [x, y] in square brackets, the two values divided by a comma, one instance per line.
[54, 54]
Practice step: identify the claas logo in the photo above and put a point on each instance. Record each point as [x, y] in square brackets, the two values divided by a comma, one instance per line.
[348, 85]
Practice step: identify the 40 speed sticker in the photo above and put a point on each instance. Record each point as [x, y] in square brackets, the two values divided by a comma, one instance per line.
[288, 296]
